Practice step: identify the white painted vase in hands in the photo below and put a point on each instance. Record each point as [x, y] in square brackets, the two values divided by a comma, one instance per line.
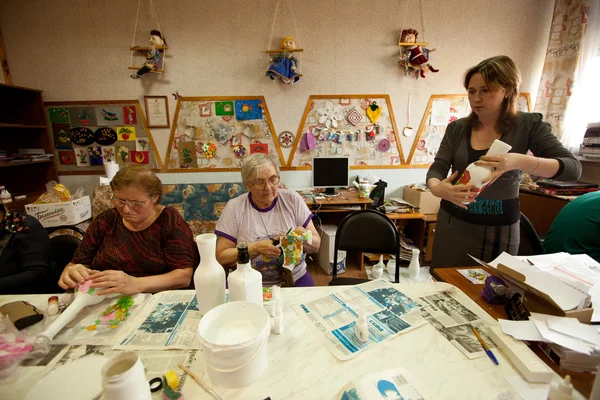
[476, 174]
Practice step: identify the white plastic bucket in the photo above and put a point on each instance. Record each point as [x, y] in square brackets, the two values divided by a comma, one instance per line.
[234, 338]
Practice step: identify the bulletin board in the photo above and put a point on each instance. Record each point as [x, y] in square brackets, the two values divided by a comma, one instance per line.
[441, 110]
[216, 133]
[88, 134]
[359, 126]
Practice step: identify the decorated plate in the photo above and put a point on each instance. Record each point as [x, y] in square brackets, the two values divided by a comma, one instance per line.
[239, 151]
[81, 136]
[384, 145]
[105, 136]
[286, 139]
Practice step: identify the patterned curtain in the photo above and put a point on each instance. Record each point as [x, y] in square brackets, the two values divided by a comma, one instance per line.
[562, 60]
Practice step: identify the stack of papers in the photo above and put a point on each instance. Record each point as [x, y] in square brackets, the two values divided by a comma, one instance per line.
[566, 341]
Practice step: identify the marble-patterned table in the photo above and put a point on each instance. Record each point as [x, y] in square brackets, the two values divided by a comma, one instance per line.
[300, 367]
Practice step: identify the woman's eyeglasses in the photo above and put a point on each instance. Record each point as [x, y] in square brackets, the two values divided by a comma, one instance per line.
[133, 204]
[261, 183]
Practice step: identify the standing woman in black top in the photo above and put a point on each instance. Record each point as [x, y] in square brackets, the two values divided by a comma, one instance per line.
[489, 224]
[25, 263]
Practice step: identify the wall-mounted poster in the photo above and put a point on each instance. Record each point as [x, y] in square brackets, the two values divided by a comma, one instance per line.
[217, 133]
[361, 127]
[104, 131]
[441, 110]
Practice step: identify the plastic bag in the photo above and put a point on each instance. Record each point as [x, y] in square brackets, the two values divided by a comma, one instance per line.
[14, 346]
[55, 193]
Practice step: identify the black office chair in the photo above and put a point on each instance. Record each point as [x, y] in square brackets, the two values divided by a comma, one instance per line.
[530, 244]
[365, 231]
[63, 246]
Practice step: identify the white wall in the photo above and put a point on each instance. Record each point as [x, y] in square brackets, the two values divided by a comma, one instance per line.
[78, 50]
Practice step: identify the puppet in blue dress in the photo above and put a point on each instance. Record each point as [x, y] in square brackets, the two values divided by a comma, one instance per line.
[153, 54]
[285, 64]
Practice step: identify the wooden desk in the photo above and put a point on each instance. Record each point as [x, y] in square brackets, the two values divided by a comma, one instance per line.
[582, 381]
[540, 209]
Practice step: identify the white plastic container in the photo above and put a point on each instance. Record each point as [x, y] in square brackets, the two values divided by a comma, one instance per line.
[377, 270]
[476, 174]
[414, 268]
[123, 378]
[234, 341]
[362, 328]
[209, 278]
[245, 283]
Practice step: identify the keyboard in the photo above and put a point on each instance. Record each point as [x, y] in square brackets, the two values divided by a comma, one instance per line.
[340, 206]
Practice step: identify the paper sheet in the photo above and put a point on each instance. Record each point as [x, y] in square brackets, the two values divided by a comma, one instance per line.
[476, 276]
[333, 318]
[572, 327]
[440, 112]
[383, 385]
[528, 390]
[559, 338]
[522, 330]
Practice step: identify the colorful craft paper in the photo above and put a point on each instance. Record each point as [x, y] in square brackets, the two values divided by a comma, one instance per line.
[82, 156]
[187, 154]
[129, 115]
[259, 148]
[105, 136]
[291, 244]
[142, 144]
[140, 157]
[81, 136]
[239, 151]
[224, 108]
[248, 109]
[58, 114]
[123, 155]
[82, 116]
[61, 136]
[109, 115]
[66, 157]
[205, 109]
[108, 154]
[95, 155]
[126, 132]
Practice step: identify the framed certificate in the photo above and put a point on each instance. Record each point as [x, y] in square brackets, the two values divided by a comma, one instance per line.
[157, 111]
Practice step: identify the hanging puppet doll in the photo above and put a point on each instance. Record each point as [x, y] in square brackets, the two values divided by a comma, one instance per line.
[285, 64]
[412, 57]
[153, 55]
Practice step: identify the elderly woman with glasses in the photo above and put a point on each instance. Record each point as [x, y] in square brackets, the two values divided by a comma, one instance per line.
[138, 246]
[260, 217]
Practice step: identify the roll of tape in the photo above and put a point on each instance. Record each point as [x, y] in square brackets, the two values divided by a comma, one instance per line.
[171, 379]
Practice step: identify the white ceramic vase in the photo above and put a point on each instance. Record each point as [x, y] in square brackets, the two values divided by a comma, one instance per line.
[209, 278]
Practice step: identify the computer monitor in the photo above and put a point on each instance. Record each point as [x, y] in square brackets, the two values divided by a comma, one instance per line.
[330, 172]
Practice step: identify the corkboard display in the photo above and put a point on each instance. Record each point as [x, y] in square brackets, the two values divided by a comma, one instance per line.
[441, 110]
[216, 133]
[88, 134]
[359, 126]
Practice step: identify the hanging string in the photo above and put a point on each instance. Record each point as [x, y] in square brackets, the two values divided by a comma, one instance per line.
[137, 16]
[272, 26]
[155, 16]
[296, 34]
[423, 21]
[403, 21]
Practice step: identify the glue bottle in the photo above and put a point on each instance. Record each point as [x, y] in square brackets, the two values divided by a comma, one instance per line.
[378, 268]
[414, 268]
[562, 391]
[277, 311]
[362, 328]
[245, 283]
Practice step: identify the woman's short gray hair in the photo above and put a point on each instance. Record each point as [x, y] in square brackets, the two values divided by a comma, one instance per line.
[255, 163]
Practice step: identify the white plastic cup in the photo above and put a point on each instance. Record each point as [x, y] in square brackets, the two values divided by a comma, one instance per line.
[110, 170]
[498, 148]
[123, 378]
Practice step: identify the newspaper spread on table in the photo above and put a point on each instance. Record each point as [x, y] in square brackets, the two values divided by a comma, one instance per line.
[455, 322]
[78, 330]
[333, 318]
[168, 321]
[382, 385]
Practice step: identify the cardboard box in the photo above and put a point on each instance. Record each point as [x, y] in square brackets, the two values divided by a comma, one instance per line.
[325, 253]
[425, 201]
[64, 213]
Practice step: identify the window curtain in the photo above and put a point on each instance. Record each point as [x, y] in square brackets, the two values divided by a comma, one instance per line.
[583, 107]
[562, 61]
